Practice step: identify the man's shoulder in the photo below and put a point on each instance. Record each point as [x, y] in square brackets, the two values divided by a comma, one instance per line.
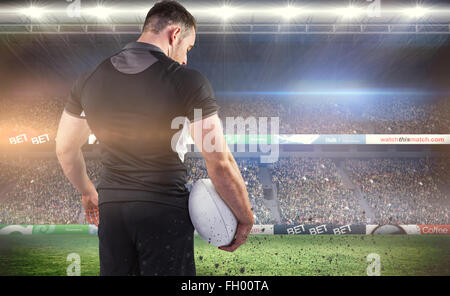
[178, 71]
[189, 76]
[84, 77]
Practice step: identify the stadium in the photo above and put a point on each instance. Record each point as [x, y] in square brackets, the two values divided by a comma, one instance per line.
[337, 113]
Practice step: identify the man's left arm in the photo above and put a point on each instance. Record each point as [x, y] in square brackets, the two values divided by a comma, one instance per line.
[73, 132]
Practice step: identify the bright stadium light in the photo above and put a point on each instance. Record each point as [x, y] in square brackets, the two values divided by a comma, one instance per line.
[228, 12]
[100, 12]
[288, 12]
[225, 12]
[33, 12]
[416, 12]
[350, 12]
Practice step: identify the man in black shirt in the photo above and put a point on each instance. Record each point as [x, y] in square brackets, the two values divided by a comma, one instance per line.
[130, 101]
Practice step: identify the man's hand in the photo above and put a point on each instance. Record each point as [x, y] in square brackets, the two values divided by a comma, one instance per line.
[242, 233]
[73, 132]
[90, 205]
[225, 175]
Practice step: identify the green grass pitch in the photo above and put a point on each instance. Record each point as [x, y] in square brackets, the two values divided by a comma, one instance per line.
[262, 255]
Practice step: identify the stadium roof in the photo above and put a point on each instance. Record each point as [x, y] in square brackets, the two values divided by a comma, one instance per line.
[234, 17]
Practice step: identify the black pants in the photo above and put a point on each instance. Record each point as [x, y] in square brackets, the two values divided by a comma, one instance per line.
[145, 238]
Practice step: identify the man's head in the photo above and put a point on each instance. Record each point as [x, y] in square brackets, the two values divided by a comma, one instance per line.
[173, 27]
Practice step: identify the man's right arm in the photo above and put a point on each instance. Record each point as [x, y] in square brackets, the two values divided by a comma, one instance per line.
[224, 174]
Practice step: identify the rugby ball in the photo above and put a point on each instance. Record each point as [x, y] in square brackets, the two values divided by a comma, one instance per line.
[210, 215]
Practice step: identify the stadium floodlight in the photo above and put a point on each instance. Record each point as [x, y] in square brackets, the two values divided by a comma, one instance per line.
[100, 12]
[288, 12]
[228, 12]
[350, 11]
[225, 12]
[33, 12]
[416, 12]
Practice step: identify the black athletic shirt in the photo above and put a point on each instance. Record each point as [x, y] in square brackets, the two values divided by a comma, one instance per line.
[129, 101]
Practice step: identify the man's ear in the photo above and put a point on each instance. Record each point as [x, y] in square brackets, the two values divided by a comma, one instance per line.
[175, 35]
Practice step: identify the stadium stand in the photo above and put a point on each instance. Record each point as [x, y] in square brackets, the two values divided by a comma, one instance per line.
[298, 115]
[310, 190]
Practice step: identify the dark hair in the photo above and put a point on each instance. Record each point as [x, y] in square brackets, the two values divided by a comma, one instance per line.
[166, 13]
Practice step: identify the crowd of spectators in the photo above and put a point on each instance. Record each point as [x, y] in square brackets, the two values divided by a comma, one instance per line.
[43, 195]
[346, 115]
[403, 191]
[296, 115]
[8, 172]
[31, 116]
[310, 191]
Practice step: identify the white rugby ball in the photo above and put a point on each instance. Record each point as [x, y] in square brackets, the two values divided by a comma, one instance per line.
[210, 215]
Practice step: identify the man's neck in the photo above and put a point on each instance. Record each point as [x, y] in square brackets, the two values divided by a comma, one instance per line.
[154, 40]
